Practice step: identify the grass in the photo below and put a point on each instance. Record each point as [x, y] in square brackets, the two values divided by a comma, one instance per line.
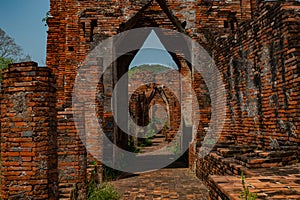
[110, 174]
[100, 191]
[104, 191]
[246, 194]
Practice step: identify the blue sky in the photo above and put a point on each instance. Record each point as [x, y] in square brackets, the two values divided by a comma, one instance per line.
[153, 52]
[22, 20]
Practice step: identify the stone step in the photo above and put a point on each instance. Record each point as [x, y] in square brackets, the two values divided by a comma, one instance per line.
[225, 152]
[261, 159]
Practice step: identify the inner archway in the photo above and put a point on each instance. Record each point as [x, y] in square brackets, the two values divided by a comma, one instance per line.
[152, 90]
[124, 56]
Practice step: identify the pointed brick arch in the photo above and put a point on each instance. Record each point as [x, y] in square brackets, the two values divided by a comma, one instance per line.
[132, 22]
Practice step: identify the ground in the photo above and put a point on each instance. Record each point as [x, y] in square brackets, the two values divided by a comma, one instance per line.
[168, 183]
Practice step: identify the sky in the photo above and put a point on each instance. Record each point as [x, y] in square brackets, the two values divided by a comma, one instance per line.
[153, 52]
[22, 20]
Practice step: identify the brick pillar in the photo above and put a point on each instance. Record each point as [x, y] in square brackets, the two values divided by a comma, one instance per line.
[28, 133]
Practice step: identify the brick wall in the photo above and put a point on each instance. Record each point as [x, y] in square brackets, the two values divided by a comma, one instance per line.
[28, 133]
[157, 93]
[259, 65]
[259, 68]
[256, 53]
[256, 58]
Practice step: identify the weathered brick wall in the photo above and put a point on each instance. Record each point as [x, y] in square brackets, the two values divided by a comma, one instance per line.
[28, 133]
[64, 53]
[257, 58]
[77, 26]
[146, 96]
[42, 154]
[259, 67]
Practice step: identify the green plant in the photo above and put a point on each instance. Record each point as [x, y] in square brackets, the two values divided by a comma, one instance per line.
[166, 126]
[146, 142]
[4, 62]
[246, 194]
[94, 162]
[97, 191]
[150, 131]
[44, 20]
[110, 174]
[104, 191]
[132, 147]
[175, 148]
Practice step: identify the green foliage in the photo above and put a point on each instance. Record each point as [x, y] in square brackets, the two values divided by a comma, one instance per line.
[44, 20]
[132, 147]
[94, 162]
[147, 68]
[110, 174]
[175, 148]
[4, 62]
[150, 132]
[104, 191]
[96, 191]
[246, 194]
[166, 126]
[146, 142]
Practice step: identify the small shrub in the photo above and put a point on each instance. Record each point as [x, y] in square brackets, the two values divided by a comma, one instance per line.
[132, 147]
[110, 174]
[146, 142]
[4, 62]
[102, 192]
[96, 191]
[246, 194]
[150, 131]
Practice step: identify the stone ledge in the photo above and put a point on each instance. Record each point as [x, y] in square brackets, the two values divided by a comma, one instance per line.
[266, 186]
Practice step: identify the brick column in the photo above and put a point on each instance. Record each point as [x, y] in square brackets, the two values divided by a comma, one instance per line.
[28, 133]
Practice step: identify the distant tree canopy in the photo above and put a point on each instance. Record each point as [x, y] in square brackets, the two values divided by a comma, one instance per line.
[153, 68]
[10, 52]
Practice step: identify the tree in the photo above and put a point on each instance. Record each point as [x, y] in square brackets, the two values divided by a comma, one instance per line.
[10, 52]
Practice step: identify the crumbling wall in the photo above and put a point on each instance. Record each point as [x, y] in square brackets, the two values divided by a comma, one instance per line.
[148, 95]
[28, 133]
[260, 69]
[42, 154]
